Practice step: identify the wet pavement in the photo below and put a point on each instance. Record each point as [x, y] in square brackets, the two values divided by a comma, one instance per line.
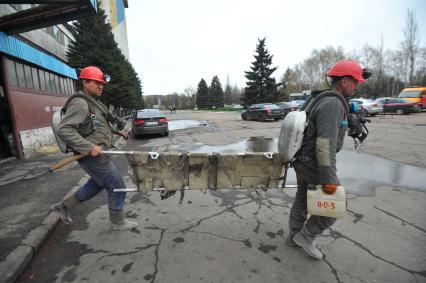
[185, 124]
[238, 235]
[360, 172]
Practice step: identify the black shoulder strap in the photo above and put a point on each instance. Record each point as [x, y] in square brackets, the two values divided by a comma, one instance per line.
[313, 100]
[64, 108]
[91, 103]
[110, 117]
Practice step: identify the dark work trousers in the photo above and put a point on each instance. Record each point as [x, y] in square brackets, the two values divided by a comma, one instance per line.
[104, 175]
[306, 173]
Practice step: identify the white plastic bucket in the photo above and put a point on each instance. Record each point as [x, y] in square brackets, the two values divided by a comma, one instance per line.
[322, 204]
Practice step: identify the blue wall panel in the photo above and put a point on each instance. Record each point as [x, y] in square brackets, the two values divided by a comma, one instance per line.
[19, 49]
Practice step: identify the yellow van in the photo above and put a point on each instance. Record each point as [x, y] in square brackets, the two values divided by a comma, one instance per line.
[415, 94]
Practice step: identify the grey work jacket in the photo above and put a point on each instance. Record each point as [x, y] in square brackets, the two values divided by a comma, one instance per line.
[324, 137]
[80, 131]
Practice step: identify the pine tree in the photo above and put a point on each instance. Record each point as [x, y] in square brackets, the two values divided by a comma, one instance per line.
[202, 95]
[261, 87]
[94, 45]
[215, 94]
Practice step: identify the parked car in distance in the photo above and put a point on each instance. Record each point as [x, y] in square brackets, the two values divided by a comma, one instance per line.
[368, 106]
[299, 102]
[149, 121]
[287, 107]
[397, 105]
[414, 94]
[262, 112]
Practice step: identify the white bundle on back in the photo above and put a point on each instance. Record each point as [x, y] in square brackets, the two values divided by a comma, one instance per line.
[291, 135]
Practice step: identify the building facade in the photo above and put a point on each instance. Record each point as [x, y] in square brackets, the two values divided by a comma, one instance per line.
[35, 79]
[116, 16]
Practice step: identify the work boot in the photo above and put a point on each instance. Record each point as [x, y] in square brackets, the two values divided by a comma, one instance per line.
[118, 222]
[63, 208]
[302, 239]
[289, 240]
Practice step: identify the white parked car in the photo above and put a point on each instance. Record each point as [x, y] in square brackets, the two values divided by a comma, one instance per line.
[368, 106]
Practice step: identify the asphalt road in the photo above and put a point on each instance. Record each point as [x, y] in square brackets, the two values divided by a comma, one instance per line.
[238, 236]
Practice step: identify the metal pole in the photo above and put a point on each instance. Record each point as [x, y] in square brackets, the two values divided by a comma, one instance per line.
[118, 152]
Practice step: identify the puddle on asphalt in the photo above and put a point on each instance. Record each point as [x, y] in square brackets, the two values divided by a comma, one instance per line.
[359, 172]
[183, 124]
[253, 144]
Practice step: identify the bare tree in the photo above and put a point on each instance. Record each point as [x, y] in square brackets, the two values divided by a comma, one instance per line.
[410, 44]
[190, 93]
[313, 69]
[421, 70]
[292, 80]
[397, 70]
[228, 91]
[374, 58]
[236, 94]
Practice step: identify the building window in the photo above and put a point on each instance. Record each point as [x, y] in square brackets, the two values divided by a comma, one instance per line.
[52, 82]
[42, 80]
[48, 83]
[18, 7]
[63, 86]
[20, 74]
[61, 37]
[11, 71]
[57, 86]
[28, 76]
[72, 86]
[67, 86]
[35, 78]
[49, 30]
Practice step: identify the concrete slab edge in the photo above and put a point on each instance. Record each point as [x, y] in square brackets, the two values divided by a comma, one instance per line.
[17, 260]
[5, 160]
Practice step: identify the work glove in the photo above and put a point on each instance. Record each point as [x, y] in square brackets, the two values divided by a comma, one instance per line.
[329, 188]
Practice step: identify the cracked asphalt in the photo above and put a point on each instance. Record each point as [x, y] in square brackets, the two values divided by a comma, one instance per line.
[237, 235]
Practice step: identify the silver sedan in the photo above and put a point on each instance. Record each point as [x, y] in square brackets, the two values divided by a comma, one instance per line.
[368, 106]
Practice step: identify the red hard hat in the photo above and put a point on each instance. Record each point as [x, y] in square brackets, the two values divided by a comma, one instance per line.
[347, 68]
[92, 73]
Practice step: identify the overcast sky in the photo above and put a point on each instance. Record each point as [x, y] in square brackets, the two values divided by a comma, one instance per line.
[175, 43]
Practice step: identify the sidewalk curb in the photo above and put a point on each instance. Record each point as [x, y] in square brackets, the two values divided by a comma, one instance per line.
[5, 160]
[16, 262]
[18, 259]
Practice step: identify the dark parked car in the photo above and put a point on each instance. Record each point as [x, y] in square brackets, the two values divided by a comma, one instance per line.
[397, 105]
[262, 112]
[149, 121]
[287, 107]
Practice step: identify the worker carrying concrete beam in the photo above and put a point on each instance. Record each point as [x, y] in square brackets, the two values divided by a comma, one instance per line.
[315, 162]
[86, 130]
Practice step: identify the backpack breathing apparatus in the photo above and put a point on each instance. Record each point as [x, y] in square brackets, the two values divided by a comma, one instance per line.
[356, 120]
[294, 124]
[58, 115]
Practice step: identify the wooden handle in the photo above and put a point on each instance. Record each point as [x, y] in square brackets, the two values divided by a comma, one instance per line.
[66, 161]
